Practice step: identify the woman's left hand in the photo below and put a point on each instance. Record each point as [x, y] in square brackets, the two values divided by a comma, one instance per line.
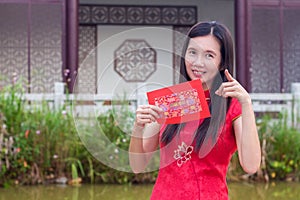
[233, 88]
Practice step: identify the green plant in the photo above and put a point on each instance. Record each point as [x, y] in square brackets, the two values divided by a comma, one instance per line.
[75, 165]
[12, 107]
[42, 137]
[282, 147]
[116, 124]
[14, 141]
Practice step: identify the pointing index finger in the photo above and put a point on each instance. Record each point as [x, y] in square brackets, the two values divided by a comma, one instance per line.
[228, 76]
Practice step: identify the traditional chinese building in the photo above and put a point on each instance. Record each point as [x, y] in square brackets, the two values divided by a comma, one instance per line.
[82, 43]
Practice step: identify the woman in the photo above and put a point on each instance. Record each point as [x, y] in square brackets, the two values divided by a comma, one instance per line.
[194, 156]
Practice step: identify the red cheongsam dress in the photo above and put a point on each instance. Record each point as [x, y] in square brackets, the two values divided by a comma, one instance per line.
[185, 176]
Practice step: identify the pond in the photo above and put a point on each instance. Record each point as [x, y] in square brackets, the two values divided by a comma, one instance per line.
[237, 191]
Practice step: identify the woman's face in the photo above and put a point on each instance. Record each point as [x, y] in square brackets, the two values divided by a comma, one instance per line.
[203, 58]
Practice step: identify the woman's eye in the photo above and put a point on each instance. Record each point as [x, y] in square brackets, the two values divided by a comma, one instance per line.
[192, 52]
[210, 56]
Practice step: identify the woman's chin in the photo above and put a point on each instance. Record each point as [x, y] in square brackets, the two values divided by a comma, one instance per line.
[198, 78]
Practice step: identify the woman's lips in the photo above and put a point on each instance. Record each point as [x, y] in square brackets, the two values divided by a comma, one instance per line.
[198, 74]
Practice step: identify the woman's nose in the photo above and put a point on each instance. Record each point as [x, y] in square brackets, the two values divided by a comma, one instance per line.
[199, 61]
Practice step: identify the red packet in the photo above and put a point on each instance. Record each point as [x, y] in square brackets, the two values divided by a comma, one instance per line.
[181, 103]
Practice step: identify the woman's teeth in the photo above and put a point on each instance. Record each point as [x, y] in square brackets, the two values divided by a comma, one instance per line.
[198, 73]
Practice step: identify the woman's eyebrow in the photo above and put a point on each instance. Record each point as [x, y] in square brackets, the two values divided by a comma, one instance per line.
[191, 48]
[211, 51]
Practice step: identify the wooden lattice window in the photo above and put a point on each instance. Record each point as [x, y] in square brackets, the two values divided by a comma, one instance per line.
[268, 44]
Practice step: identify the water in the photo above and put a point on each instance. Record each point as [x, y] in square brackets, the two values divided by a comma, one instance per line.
[237, 191]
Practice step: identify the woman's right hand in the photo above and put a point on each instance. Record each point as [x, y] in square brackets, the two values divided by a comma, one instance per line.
[144, 140]
[147, 114]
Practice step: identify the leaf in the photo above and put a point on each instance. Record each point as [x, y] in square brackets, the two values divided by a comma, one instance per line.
[74, 171]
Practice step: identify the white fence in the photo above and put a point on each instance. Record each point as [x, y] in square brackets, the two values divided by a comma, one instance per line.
[273, 103]
[93, 104]
[82, 105]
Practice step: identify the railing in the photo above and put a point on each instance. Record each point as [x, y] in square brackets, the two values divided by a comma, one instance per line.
[90, 104]
[81, 105]
[274, 103]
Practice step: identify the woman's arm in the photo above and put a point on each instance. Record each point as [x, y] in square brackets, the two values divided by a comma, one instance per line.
[145, 137]
[247, 140]
[244, 127]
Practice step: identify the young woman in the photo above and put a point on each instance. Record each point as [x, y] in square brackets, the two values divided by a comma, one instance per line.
[194, 156]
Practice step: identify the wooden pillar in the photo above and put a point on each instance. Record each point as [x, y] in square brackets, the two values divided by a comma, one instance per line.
[71, 67]
[242, 68]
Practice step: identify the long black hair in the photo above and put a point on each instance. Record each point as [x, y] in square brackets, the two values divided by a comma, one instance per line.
[210, 127]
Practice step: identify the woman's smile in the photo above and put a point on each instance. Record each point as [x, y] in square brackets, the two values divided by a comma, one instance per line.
[198, 73]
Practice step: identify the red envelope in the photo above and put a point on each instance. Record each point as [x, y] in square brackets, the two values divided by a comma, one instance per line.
[181, 103]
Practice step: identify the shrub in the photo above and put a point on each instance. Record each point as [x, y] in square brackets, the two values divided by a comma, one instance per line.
[42, 140]
[282, 148]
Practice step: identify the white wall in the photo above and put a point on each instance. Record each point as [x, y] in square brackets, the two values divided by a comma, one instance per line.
[111, 37]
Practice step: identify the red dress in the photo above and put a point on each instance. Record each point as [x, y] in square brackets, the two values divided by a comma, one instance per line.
[194, 178]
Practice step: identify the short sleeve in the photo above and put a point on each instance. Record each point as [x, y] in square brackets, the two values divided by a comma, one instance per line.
[235, 109]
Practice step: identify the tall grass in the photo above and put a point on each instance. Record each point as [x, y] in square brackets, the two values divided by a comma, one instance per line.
[43, 139]
[282, 149]
[280, 145]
